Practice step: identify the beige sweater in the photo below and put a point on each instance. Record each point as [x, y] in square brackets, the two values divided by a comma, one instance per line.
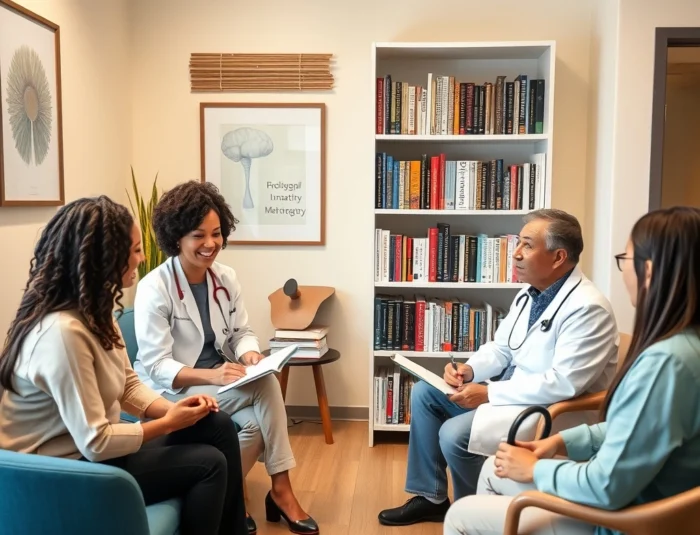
[70, 393]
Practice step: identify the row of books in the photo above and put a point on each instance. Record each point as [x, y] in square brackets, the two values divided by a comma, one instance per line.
[429, 324]
[436, 183]
[311, 341]
[392, 396]
[444, 257]
[446, 106]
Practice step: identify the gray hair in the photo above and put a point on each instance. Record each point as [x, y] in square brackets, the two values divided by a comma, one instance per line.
[563, 231]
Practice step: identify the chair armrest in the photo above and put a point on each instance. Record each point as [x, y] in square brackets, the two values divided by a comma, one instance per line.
[584, 402]
[678, 514]
[43, 494]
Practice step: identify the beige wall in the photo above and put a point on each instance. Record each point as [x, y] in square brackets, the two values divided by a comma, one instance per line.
[681, 166]
[601, 127]
[126, 99]
[166, 129]
[632, 124]
[96, 126]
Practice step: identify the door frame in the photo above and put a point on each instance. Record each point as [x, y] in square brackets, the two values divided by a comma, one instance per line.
[665, 38]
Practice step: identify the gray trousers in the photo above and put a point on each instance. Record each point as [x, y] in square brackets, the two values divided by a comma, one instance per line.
[258, 409]
[485, 512]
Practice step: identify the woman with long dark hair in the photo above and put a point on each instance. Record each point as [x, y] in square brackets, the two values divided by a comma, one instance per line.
[66, 377]
[648, 444]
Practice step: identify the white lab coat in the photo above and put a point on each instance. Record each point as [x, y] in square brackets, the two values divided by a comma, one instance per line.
[576, 356]
[169, 330]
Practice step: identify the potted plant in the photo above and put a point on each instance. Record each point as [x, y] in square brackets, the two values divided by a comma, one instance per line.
[143, 212]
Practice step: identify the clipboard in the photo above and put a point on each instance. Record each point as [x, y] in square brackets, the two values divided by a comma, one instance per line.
[426, 375]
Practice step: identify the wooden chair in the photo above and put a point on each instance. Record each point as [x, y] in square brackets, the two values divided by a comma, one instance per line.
[586, 402]
[679, 515]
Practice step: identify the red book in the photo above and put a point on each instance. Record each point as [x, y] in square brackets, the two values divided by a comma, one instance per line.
[432, 254]
[420, 323]
[380, 105]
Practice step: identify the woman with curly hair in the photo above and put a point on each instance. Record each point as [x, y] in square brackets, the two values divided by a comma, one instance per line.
[193, 336]
[66, 377]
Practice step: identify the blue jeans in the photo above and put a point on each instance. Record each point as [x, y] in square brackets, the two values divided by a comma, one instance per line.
[439, 438]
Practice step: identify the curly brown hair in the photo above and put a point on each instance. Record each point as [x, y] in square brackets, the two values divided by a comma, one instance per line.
[181, 210]
[79, 263]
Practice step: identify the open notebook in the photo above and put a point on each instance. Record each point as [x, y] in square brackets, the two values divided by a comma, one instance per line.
[272, 364]
[426, 375]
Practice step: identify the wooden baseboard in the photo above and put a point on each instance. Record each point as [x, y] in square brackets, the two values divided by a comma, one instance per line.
[311, 412]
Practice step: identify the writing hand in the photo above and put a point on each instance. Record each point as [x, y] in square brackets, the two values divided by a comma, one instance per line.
[470, 396]
[457, 378]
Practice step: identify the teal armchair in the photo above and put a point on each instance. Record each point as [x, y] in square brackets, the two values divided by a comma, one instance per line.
[41, 494]
[126, 325]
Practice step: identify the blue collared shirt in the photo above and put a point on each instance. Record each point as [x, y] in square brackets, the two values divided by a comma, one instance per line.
[541, 300]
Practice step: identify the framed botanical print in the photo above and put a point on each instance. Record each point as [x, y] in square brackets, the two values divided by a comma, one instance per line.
[268, 160]
[31, 143]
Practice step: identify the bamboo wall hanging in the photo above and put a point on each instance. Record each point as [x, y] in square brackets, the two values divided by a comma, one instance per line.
[260, 72]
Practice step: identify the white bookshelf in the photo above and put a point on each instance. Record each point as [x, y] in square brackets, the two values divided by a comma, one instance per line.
[477, 63]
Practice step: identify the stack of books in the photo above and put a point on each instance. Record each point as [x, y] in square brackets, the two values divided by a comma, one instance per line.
[311, 341]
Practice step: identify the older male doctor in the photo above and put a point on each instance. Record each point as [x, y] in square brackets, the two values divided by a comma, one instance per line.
[559, 340]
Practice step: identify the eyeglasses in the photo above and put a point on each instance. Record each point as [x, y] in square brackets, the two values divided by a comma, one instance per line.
[620, 257]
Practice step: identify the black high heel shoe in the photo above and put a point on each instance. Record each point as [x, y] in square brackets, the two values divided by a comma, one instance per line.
[250, 524]
[273, 513]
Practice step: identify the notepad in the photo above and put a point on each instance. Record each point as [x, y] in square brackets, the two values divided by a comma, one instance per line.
[272, 364]
[426, 375]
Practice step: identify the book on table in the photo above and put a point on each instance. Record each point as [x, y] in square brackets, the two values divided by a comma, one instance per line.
[311, 342]
[272, 364]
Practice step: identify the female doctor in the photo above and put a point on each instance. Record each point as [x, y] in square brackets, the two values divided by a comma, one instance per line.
[193, 336]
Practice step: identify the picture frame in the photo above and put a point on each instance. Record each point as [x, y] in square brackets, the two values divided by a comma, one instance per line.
[269, 162]
[31, 129]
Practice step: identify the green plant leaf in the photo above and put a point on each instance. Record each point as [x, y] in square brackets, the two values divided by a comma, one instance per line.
[143, 211]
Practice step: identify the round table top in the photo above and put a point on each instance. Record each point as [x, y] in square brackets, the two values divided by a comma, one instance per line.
[331, 356]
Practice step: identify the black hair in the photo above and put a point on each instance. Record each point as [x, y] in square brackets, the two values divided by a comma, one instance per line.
[182, 209]
[668, 238]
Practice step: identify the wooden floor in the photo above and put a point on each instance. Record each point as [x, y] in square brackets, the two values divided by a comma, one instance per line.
[343, 485]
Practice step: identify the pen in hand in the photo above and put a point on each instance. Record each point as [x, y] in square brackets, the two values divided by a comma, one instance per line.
[454, 365]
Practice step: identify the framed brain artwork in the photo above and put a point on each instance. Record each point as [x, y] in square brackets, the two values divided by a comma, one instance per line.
[268, 160]
[31, 144]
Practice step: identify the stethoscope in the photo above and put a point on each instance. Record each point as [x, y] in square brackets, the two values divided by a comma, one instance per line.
[546, 324]
[216, 286]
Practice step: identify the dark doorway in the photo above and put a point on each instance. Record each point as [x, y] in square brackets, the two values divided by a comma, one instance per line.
[675, 138]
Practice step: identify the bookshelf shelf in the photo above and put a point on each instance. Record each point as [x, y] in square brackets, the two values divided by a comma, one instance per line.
[463, 150]
[490, 138]
[391, 427]
[450, 213]
[452, 285]
[461, 355]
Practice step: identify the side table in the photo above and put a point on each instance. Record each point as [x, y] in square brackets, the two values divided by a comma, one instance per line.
[331, 356]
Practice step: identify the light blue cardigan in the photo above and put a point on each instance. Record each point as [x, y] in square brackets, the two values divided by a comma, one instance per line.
[649, 447]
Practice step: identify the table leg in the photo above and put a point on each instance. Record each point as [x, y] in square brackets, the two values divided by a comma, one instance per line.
[284, 378]
[323, 402]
